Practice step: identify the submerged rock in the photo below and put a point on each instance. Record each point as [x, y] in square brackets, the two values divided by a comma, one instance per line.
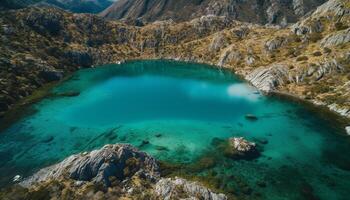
[347, 130]
[251, 117]
[169, 188]
[240, 148]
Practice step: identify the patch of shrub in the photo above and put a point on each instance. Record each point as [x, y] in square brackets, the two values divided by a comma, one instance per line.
[340, 26]
[314, 37]
[327, 50]
[317, 53]
[302, 58]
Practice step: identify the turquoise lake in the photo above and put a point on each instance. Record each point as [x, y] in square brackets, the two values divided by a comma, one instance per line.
[181, 109]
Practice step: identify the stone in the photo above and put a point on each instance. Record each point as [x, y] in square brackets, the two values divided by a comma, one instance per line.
[47, 139]
[251, 117]
[347, 129]
[217, 43]
[268, 78]
[338, 38]
[17, 178]
[68, 94]
[99, 165]
[229, 55]
[51, 75]
[275, 43]
[168, 188]
[240, 148]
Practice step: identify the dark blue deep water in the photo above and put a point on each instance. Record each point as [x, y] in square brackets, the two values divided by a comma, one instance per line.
[181, 109]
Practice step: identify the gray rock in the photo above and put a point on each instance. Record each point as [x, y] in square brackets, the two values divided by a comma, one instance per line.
[333, 9]
[338, 38]
[347, 129]
[275, 43]
[240, 148]
[268, 78]
[217, 42]
[98, 165]
[340, 110]
[172, 188]
[229, 55]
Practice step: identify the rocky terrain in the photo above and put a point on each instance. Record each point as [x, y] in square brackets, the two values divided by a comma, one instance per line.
[81, 6]
[309, 60]
[76, 6]
[262, 12]
[117, 171]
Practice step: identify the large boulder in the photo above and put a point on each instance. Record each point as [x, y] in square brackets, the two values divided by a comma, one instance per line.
[119, 161]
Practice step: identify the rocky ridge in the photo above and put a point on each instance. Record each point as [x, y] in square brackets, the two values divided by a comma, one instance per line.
[114, 171]
[262, 12]
[309, 59]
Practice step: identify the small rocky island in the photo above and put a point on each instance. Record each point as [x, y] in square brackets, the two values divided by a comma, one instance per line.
[114, 171]
[240, 148]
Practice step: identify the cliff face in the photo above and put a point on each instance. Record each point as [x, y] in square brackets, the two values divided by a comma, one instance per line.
[309, 59]
[76, 6]
[262, 12]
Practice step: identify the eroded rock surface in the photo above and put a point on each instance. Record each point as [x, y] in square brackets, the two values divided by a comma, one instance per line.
[240, 148]
[268, 79]
[170, 188]
[99, 165]
[114, 171]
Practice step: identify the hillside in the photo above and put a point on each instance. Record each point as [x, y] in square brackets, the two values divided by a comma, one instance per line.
[262, 12]
[309, 59]
[76, 6]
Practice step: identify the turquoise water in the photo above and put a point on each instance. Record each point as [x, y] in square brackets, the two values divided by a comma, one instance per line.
[181, 109]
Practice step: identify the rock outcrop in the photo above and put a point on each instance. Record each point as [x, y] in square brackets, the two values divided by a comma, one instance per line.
[338, 38]
[119, 161]
[263, 12]
[114, 171]
[170, 188]
[240, 148]
[269, 78]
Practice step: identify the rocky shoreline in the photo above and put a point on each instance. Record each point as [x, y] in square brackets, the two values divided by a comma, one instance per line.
[309, 59]
[114, 171]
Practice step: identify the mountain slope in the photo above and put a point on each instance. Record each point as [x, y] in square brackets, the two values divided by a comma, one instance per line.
[81, 6]
[14, 4]
[262, 12]
[77, 6]
[310, 59]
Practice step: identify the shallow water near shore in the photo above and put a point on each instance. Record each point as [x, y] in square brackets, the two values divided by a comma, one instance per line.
[176, 111]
